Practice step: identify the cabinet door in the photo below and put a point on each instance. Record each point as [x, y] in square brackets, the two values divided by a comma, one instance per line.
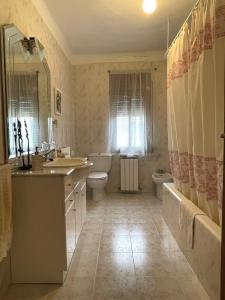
[78, 211]
[83, 202]
[70, 228]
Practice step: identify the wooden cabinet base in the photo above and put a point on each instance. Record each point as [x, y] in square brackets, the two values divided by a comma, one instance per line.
[47, 221]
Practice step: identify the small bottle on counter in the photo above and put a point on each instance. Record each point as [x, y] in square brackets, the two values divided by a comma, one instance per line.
[37, 161]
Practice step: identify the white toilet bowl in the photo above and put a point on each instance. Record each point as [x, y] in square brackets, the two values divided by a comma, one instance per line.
[159, 178]
[97, 182]
[98, 177]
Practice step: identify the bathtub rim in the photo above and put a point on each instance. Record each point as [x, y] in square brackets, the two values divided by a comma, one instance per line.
[214, 228]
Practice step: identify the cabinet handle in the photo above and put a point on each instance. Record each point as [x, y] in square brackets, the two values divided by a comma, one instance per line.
[71, 200]
[69, 184]
[74, 209]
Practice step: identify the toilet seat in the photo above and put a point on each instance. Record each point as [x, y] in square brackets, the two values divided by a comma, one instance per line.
[162, 177]
[98, 175]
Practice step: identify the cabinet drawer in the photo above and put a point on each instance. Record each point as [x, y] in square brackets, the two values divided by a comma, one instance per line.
[68, 185]
[70, 231]
[69, 201]
[83, 202]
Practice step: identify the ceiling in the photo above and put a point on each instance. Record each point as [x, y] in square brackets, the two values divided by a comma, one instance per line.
[96, 27]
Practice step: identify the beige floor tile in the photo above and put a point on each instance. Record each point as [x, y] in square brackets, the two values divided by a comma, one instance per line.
[95, 215]
[149, 264]
[115, 264]
[115, 229]
[148, 229]
[162, 228]
[94, 219]
[140, 220]
[115, 288]
[89, 240]
[191, 287]
[114, 205]
[115, 213]
[159, 288]
[79, 289]
[28, 291]
[168, 242]
[116, 244]
[116, 219]
[125, 251]
[92, 228]
[141, 243]
[120, 209]
[179, 261]
[143, 212]
[84, 264]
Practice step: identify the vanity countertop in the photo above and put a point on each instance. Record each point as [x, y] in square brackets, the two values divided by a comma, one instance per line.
[51, 171]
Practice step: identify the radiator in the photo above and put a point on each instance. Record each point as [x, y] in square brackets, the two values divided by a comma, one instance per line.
[129, 174]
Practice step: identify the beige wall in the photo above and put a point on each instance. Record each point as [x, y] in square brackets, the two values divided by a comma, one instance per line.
[23, 14]
[89, 84]
[91, 89]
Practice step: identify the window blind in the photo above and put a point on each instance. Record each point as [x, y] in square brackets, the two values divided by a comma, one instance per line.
[130, 112]
[23, 106]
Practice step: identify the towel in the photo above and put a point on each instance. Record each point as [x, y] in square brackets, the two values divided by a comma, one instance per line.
[188, 212]
[5, 210]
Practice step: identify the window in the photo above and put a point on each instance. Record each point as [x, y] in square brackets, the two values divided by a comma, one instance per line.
[23, 106]
[130, 113]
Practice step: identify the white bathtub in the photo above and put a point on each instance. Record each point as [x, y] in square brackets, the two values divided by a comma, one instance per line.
[204, 258]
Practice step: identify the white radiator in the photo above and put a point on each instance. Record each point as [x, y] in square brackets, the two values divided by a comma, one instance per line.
[129, 174]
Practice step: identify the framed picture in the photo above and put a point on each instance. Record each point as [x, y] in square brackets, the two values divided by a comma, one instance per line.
[58, 102]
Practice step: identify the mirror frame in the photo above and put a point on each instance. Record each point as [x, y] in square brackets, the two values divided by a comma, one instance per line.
[4, 95]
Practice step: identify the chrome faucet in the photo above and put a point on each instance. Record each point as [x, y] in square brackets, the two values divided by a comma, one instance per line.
[49, 154]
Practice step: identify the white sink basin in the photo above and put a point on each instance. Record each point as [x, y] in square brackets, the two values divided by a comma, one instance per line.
[66, 162]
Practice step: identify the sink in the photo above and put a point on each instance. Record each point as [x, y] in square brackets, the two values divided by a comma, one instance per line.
[66, 162]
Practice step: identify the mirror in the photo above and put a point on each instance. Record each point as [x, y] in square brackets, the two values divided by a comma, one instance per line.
[26, 92]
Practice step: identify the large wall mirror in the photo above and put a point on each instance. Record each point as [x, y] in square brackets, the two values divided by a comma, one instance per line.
[26, 92]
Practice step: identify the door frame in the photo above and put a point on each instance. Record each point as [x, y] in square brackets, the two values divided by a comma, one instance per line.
[222, 274]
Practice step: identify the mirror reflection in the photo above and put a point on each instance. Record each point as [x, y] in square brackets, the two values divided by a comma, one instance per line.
[27, 82]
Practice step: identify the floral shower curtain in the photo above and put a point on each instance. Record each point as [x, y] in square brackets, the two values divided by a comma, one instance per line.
[196, 106]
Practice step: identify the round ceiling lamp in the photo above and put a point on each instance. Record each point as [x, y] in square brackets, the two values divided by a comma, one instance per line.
[149, 6]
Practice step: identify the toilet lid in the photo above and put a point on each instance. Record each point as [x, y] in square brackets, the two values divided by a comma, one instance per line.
[162, 177]
[97, 175]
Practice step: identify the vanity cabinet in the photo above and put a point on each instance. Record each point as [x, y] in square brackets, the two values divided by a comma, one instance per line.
[49, 210]
[75, 214]
[70, 223]
[80, 207]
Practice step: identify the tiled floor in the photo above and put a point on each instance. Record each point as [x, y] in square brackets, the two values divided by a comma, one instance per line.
[125, 252]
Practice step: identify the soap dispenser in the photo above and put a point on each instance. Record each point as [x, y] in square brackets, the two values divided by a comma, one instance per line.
[37, 161]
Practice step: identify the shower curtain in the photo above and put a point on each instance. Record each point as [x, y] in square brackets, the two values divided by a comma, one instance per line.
[195, 98]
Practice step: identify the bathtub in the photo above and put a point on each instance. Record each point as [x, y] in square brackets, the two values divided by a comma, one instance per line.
[204, 258]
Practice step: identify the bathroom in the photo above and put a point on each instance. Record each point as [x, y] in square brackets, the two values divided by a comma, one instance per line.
[112, 239]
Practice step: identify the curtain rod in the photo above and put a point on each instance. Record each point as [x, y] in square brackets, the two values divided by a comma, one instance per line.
[128, 72]
[188, 17]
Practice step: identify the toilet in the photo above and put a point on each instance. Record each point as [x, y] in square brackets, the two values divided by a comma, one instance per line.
[98, 177]
[159, 178]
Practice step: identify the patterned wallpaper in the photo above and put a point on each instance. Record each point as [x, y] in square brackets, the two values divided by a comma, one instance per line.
[83, 125]
[23, 14]
[91, 89]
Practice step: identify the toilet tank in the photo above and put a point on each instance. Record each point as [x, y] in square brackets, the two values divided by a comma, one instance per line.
[101, 161]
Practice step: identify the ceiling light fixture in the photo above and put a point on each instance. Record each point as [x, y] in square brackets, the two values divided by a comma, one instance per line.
[149, 6]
